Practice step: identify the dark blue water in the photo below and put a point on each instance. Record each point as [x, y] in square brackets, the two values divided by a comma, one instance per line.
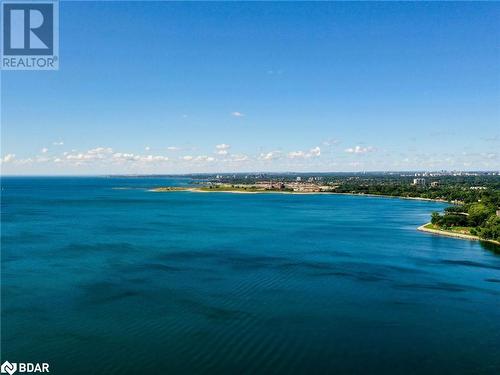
[103, 281]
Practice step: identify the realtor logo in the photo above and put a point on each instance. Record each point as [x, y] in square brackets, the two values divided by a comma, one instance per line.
[8, 368]
[30, 35]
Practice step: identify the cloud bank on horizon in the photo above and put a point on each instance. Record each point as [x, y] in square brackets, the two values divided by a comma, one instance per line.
[345, 89]
[223, 158]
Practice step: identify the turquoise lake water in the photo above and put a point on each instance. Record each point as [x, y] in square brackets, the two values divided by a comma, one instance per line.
[97, 280]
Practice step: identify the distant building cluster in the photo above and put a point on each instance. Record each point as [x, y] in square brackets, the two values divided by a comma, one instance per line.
[446, 173]
[297, 186]
[419, 182]
[423, 182]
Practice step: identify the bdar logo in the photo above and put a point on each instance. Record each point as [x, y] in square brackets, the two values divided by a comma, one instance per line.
[8, 368]
[23, 367]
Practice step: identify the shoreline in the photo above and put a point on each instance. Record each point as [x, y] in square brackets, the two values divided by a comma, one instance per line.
[441, 232]
[198, 190]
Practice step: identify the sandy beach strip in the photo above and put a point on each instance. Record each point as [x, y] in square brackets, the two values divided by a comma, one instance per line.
[198, 190]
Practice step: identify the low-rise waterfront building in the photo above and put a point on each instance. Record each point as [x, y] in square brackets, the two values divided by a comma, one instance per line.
[419, 181]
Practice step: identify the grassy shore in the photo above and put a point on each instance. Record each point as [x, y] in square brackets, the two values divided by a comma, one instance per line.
[456, 232]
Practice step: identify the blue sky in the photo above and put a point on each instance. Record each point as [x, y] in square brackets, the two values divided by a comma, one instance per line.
[159, 87]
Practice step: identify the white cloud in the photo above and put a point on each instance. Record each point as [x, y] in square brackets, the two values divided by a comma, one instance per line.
[296, 154]
[79, 156]
[130, 157]
[100, 151]
[147, 148]
[187, 158]
[222, 149]
[25, 161]
[238, 157]
[42, 159]
[237, 114]
[330, 142]
[45, 150]
[204, 158]
[8, 158]
[490, 155]
[153, 158]
[312, 153]
[119, 156]
[60, 143]
[270, 155]
[173, 148]
[315, 152]
[359, 150]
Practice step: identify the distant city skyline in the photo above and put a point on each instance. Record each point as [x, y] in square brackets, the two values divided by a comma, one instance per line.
[172, 88]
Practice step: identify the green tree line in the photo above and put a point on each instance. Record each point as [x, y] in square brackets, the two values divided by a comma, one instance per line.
[480, 216]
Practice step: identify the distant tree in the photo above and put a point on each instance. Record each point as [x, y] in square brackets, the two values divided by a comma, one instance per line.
[456, 209]
[478, 214]
[436, 218]
[491, 228]
[454, 220]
